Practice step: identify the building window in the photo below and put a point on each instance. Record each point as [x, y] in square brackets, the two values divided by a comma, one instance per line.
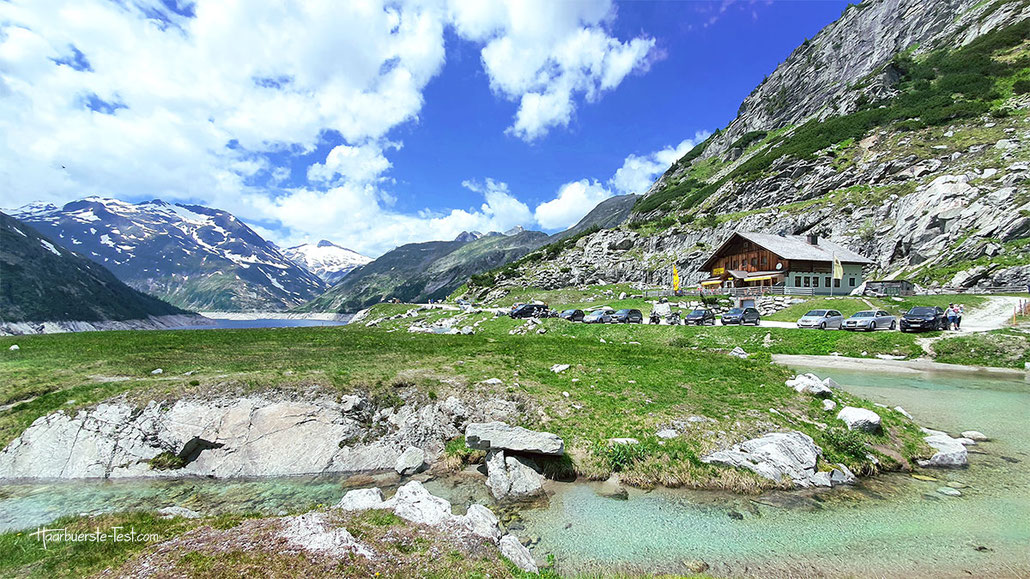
[836, 283]
[797, 281]
[815, 282]
[754, 262]
[808, 281]
[851, 282]
[765, 260]
[827, 282]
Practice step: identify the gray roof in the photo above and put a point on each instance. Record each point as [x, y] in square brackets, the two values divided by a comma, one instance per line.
[797, 247]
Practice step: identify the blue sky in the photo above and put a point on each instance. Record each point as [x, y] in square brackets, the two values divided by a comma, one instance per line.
[375, 125]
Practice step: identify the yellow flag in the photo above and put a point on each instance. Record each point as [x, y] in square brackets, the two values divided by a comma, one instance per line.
[838, 269]
[675, 279]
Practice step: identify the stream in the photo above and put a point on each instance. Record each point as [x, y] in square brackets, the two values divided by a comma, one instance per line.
[892, 525]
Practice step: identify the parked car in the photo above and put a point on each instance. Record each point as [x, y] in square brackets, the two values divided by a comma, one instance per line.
[870, 321]
[598, 317]
[628, 317]
[572, 315]
[700, 316]
[822, 319]
[529, 311]
[741, 316]
[924, 318]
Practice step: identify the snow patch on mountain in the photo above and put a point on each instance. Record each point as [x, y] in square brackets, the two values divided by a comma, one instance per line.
[328, 261]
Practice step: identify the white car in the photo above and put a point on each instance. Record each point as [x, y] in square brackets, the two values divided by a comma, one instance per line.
[822, 319]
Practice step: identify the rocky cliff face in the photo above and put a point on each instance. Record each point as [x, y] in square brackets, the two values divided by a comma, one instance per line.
[818, 78]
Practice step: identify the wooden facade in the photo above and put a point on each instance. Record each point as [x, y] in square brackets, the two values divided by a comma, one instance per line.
[744, 255]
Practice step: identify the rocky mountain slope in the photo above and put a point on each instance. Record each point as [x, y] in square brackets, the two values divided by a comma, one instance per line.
[927, 177]
[40, 281]
[328, 261]
[418, 272]
[191, 256]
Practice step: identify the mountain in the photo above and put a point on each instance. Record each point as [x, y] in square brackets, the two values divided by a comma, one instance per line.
[466, 236]
[611, 212]
[418, 272]
[40, 281]
[328, 261]
[898, 132]
[191, 256]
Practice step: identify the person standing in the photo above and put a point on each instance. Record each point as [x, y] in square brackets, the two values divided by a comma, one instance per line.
[959, 310]
[951, 315]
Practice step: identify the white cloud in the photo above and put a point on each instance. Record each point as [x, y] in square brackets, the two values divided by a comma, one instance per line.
[196, 108]
[357, 217]
[638, 172]
[544, 54]
[574, 200]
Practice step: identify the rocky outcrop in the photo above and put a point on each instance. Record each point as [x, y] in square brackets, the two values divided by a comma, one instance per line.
[414, 503]
[781, 457]
[170, 322]
[237, 437]
[860, 419]
[410, 461]
[810, 384]
[498, 435]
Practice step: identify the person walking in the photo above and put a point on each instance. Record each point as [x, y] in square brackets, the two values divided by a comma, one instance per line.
[951, 314]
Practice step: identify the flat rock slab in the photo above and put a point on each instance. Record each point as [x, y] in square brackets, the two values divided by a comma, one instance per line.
[775, 456]
[860, 419]
[498, 435]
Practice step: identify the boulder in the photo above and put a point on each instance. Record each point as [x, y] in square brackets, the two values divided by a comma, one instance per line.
[14, 348]
[950, 452]
[975, 435]
[829, 405]
[483, 522]
[667, 433]
[512, 477]
[414, 503]
[361, 500]
[860, 419]
[517, 553]
[739, 352]
[809, 384]
[948, 491]
[156, 371]
[410, 461]
[498, 435]
[842, 475]
[775, 456]
[559, 368]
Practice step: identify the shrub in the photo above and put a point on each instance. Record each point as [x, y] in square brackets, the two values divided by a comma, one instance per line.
[1021, 86]
[845, 442]
[167, 461]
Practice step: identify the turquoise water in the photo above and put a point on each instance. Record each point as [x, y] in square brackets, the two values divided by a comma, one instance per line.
[892, 525]
[223, 323]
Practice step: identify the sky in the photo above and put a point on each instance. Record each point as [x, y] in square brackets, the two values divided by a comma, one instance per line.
[374, 124]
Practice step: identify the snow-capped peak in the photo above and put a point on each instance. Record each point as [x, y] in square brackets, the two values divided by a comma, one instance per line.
[326, 259]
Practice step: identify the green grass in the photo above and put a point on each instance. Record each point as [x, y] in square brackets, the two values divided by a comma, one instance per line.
[639, 378]
[1005, 348]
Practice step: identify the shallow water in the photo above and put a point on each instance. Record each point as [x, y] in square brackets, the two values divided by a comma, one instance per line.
[224, 323]
[891, 525]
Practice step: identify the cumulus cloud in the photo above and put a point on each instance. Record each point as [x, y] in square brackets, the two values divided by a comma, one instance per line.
[544, 55]
[638, 172]
[574, 200]
[214, 102]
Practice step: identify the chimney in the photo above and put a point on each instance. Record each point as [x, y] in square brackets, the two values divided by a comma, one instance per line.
[813, 239]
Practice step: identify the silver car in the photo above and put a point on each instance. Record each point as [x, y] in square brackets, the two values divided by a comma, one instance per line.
[822, 319]
[870, 321]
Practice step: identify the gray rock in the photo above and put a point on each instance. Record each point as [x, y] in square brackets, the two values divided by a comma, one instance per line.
[559, 368]
[170, 512]
[842, 475]
[860, 419]
[410, 461]
[950, 452]
[414, 503]
[821, 479]
[517, 553]
[776, 456]
[14, 348]
[739, 352]
[157, 371]
[667, 433]
[623, 441]
[948, 491]
[809, 384]
[490, 435]
[975, 435]
[512, 477]
[361, 500]
[829, 405]
[483, 522]
[903, 412]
